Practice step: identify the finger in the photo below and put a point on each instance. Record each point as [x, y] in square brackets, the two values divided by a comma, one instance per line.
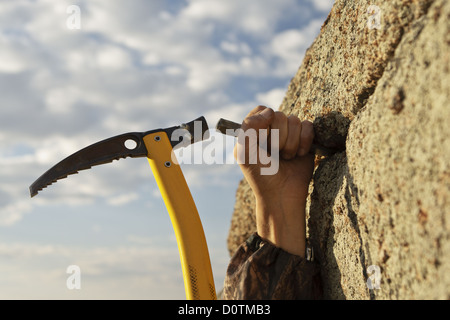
[280, 123]
[256, 110]
[306, 138]
[293, 138]
[259, 118]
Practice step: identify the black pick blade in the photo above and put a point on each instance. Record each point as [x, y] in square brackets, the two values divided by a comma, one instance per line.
[98, 153]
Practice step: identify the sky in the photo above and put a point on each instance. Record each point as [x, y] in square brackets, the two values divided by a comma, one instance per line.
[70, 78]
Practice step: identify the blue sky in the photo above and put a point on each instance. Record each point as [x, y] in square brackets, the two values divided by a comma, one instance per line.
[133, 65]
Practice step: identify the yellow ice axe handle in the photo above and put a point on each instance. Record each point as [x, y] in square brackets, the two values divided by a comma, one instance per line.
[194, 256]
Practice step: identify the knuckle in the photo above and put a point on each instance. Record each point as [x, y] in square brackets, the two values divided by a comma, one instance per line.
[294, 124]
[280, 116]
[294, 119]
[258, 109]
[287, 155]
[307, 129]
[307, 124]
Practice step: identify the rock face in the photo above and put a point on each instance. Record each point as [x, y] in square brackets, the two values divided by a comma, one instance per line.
[376, 83]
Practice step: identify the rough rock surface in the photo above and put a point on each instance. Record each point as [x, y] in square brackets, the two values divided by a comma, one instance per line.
[380, 208]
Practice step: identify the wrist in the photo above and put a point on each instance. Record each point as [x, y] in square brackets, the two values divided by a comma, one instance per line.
[283, 224]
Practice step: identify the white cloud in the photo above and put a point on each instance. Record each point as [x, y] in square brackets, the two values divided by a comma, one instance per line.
[232, 111]
[257, 18]
[61, 100]
[13, 212]
[287, 43]
[97, 58]
[151, 59]
[10, 62]
[123, 199]
[322, 5]
[114, 58]
[56, 147]
[272, 98]
[235, 47]
[204, 76]
[289, 47]
[210, 9]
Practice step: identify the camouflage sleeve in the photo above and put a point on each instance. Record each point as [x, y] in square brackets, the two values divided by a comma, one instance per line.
[259, 270]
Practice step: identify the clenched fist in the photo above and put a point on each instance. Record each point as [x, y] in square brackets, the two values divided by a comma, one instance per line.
[280, 192]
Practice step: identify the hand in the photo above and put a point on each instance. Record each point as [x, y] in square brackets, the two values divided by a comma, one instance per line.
[281, 196]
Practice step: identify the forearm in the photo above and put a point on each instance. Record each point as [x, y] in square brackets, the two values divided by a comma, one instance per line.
[283, 224]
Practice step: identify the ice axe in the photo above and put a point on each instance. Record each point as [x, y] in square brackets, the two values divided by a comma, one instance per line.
[157, 145]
